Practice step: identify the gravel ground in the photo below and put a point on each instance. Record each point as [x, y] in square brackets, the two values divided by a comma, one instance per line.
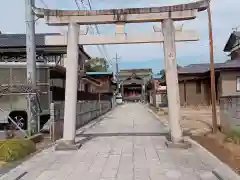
[196, 121]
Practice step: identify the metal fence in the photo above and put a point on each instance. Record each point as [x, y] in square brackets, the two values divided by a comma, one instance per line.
[86, 111]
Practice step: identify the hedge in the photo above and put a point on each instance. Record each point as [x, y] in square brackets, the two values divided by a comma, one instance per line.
[15, 149]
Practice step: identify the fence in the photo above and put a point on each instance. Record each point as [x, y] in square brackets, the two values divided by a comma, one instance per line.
[159, 99]
[86, 111]
[230, 112]
[58, 94]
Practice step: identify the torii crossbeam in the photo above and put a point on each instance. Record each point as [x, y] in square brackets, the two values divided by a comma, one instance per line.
[166, 15]
[128, 15]
[156, 37]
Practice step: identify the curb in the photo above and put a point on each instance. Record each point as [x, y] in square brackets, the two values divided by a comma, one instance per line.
[234, 175]
[156, 116]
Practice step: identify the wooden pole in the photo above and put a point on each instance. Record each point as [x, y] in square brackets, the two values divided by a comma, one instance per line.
[212, 73]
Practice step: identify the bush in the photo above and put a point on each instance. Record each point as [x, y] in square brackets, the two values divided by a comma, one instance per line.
[234, 136]
[15, 149]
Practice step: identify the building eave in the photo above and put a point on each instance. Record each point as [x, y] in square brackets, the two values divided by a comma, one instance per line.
[229, 45]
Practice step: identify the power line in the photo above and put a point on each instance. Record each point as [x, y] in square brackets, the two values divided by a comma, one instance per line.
[78, 6]
[97, 29]
[104, 52]
[44, 4]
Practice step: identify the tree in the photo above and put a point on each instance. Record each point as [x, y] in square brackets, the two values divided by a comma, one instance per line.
[162, 73]
[96, 65]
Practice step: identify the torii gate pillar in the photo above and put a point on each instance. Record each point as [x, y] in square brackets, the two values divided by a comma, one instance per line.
[172, 85]
[69, 130]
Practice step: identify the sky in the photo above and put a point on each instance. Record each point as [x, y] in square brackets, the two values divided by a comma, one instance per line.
[12, 18]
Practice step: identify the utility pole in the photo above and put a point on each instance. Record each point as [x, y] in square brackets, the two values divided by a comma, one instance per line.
[117, 71]
[31, 66]
[212, 72]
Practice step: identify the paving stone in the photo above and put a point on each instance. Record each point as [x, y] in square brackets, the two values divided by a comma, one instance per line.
[208, 176]
[126, 157]
[187, 176]
[46, 175]
[125, 176]
[173, 174]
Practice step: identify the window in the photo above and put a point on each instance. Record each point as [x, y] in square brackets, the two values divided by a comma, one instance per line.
[238, 83]
[198, 87]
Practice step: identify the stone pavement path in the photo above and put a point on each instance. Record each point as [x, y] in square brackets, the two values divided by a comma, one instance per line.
[127, 144]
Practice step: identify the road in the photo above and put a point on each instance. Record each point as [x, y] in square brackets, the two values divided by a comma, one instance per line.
[128, 144]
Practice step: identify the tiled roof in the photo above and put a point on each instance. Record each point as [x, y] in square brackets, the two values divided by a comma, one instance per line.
[136, 70]
[230, 64]
[99, 73]
[205, 67]
[19, 40]
[196, 68]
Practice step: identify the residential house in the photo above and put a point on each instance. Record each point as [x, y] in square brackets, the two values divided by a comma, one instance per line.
[230, 74]
[194, 79]
[194, 84]
[104, 82]
[50, 75]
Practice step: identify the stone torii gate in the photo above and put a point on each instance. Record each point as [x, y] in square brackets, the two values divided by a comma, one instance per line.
[168, 35]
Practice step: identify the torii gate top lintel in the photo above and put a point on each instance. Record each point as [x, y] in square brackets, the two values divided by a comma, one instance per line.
[127, 15]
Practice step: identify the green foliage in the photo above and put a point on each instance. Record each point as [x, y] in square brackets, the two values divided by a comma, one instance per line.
[162, 73]
[15, 149]
[234, 136]
[96, 65]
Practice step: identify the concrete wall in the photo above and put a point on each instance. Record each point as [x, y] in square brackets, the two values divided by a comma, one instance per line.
[86, 111]
[192, 97]
[229, 83]
[161, 100]
[230, 112]
[181, 93]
